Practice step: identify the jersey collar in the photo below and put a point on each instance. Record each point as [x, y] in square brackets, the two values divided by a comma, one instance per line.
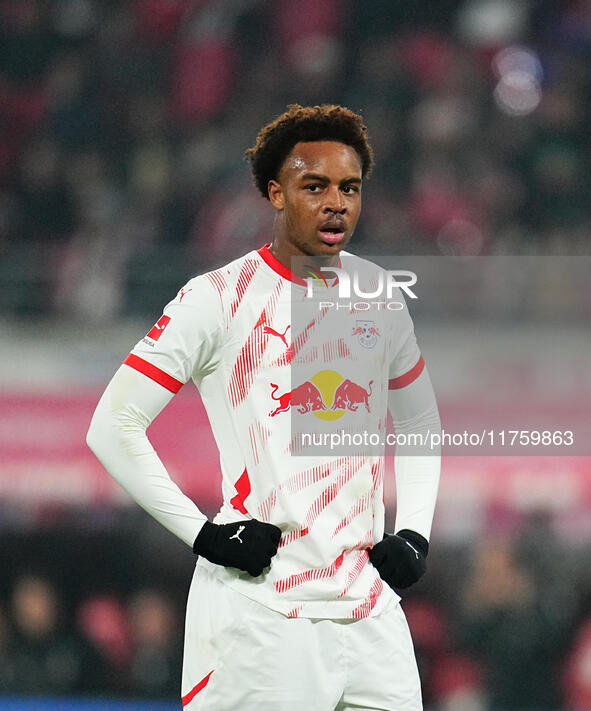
[272, 261]
[279, 268]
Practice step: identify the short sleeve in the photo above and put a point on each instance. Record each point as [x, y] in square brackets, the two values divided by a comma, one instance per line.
[184, 343]
[406, 363]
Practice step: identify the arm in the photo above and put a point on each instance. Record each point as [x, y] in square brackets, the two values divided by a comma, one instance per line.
[401, 558]
[185, 342]
[414, 410]
[117, 436]
[182, 344]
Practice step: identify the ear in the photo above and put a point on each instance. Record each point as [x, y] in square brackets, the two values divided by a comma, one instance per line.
[275, 192]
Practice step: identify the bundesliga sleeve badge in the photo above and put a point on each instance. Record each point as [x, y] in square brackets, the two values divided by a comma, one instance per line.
[158, 328]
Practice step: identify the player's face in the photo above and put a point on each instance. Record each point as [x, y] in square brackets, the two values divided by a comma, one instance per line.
[318, 199]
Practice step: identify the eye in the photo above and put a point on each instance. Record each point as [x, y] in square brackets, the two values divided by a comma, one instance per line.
[313, 187]
[349, 189]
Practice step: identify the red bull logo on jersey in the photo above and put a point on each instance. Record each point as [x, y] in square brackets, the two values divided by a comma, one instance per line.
[327, 395]
[350, 395]
[306, 398]
[366, 332]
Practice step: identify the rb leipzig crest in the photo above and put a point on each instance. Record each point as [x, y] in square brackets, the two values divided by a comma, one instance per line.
[366, 332]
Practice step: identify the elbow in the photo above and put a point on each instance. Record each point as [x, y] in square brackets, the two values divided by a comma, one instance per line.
[99, 431]
[92, 438]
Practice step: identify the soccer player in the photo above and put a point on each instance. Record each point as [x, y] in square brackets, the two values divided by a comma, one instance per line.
[293, 602]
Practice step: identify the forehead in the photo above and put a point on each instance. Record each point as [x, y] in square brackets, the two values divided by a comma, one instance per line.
[324, 158]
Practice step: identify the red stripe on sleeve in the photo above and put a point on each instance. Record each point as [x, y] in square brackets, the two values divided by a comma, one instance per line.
[153, 372]
[406, 379]
[187, 698]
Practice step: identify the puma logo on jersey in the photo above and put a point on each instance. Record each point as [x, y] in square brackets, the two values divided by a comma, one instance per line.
[183, 293]
[237, 534]
[272, 332]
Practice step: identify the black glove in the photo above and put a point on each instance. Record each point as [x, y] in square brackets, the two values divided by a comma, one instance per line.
[400, 559]
[248, 545]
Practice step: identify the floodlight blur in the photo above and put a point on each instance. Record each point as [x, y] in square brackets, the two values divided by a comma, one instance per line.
[520, 74]
[518, 93]
[516, 58]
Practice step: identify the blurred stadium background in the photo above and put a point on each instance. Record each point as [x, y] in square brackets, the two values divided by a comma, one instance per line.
[122, 129]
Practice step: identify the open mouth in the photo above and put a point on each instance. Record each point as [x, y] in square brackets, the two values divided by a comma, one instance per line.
[332, 235]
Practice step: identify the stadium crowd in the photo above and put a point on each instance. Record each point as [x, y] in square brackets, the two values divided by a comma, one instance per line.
[123, 123]
[108, 650]
[494, 625]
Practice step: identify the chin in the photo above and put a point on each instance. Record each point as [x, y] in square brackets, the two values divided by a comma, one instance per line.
[317, 248]
[335, 247]
[325, 250]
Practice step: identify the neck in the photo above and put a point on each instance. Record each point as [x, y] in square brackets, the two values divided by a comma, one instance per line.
[298, 266]
[284, 251]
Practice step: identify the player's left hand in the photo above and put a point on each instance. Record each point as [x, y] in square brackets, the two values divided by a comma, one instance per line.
[400, 559]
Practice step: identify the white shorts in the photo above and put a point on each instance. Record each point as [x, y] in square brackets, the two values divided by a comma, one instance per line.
[242, 656]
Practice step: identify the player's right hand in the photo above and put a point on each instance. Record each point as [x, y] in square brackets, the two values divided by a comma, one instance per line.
[248, 545]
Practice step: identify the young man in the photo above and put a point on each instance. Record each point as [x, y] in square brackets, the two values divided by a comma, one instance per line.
[292, 603]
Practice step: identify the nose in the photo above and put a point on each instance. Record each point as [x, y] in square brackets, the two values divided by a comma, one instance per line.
[335, 201]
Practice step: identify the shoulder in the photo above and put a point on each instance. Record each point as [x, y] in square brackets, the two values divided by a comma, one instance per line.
[221, 283]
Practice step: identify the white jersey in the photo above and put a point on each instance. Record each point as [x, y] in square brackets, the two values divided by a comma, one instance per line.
[230, 332]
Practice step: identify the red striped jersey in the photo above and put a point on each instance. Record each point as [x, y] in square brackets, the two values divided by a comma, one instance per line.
[265, 380]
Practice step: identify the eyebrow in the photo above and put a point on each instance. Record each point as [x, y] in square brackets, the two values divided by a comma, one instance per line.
[325, 179]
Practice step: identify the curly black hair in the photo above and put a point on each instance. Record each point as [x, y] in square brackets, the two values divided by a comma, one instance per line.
[328, 122]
